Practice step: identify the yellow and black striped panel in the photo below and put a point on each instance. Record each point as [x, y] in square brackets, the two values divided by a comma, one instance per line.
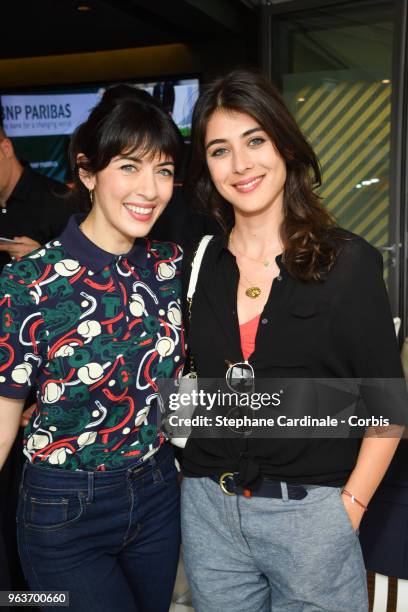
[348, 124]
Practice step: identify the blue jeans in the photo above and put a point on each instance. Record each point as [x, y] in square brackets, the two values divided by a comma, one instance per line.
[262, 554]
[109, 538]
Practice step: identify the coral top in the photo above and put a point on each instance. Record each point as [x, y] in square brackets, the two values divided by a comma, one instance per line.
[248, 334]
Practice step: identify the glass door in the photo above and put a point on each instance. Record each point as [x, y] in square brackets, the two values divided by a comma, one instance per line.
[334, 65]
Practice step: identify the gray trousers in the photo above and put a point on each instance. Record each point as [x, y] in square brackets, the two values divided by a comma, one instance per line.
[261, 554]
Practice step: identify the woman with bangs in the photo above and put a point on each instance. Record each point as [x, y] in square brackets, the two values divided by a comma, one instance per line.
[90, 321]
[272, 523]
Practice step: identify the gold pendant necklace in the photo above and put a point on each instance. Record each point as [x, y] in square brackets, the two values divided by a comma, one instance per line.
[253, 291]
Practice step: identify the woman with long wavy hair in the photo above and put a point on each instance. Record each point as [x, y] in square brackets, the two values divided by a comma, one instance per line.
[272, 523]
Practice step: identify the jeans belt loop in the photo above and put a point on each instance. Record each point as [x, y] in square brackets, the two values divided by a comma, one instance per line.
[90, 495]
[23, 473]
[153, 462]
[284, 489]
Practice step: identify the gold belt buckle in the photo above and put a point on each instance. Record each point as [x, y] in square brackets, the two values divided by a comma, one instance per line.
[222, 482]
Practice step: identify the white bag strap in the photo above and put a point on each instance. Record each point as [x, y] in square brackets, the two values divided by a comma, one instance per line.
[195, 269]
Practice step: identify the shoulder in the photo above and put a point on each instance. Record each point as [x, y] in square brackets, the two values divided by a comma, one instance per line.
[358, 271]
[28, 270]
[212, 249]
[47, 184]
[56, 198]
[162, 247]
[15, 279]
[355, 254]
[167, 257]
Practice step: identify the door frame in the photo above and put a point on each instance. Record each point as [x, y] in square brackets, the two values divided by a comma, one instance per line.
[399, 154]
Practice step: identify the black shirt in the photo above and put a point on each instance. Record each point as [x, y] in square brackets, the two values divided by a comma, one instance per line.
[36, 208]
[181, 224]
[340, 328]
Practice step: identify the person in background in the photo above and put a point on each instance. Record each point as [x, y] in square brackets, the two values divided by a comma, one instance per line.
[164, 93]
[33, 210]
[182, 224]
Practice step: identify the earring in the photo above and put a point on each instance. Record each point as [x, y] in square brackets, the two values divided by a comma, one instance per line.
[91, 195]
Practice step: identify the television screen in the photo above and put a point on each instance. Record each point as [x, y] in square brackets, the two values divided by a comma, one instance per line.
[40, 123]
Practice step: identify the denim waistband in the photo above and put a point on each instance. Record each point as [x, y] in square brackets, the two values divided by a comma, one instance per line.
[54, 478]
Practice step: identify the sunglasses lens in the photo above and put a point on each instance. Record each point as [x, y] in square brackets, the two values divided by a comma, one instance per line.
[240, 377]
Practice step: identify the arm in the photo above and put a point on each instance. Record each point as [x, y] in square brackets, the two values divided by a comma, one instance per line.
[368, 339]
[373, 460]
[10, 414]
[23, 246]
[17, 364]
[27, 414]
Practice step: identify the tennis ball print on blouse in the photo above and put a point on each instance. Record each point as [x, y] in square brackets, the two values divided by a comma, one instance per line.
[91, 331]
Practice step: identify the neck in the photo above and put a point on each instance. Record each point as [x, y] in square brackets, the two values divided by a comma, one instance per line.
[259, 235]
[99, 231]
[15, 174]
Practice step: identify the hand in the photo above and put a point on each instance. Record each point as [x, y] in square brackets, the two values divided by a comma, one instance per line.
[354, 511]
[23, 246]
[26, 415]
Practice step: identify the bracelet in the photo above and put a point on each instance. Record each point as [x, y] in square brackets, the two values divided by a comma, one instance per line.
[354, 500]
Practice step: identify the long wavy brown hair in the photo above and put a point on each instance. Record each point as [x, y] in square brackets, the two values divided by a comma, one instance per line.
[309, 233]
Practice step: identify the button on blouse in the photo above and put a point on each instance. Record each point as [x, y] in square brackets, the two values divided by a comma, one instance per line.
[339, 328]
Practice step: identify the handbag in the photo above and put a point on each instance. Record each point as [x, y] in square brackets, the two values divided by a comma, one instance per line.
[189, 382]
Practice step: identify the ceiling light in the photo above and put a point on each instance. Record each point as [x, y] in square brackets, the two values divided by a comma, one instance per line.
[84, 8]
[301, 100]
[386, 81]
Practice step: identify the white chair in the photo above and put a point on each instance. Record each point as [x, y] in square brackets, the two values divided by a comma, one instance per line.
[181, 595]
[389, 594]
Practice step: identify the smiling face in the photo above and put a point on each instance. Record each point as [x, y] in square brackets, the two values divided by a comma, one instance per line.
[244, 165]
[130, 194]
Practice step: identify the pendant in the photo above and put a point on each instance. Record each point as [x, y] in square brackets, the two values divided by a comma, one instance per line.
[253, 292]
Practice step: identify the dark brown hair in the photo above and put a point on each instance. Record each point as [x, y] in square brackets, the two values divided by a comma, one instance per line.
[308, 231]
[125, 120]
